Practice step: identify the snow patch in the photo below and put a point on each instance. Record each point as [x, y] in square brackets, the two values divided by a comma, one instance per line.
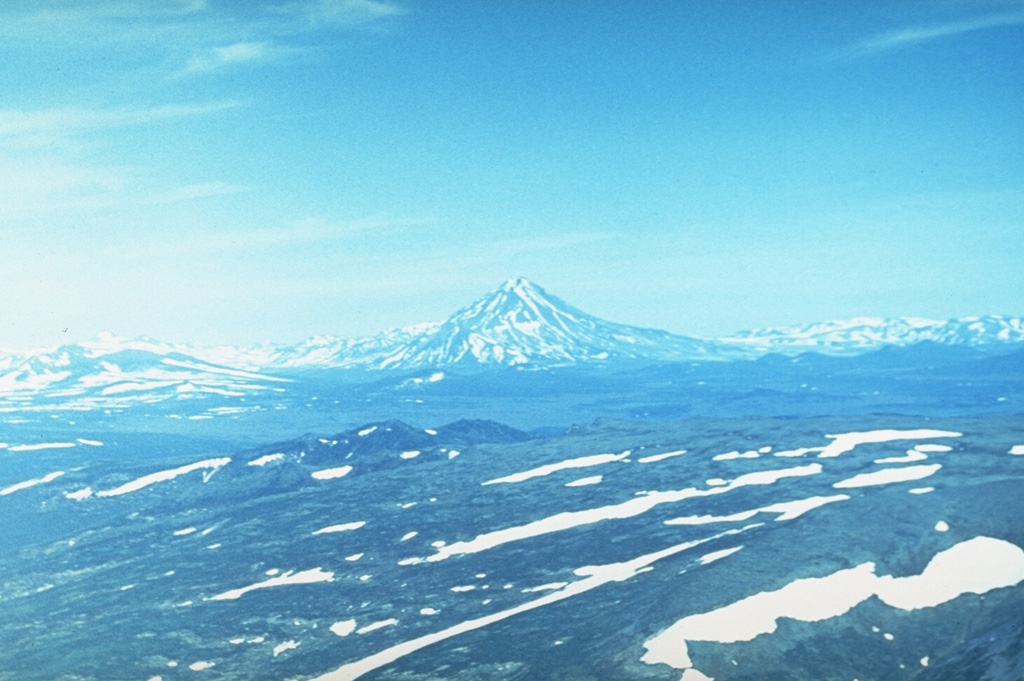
[911, 456]
[933, 448]
[163, 476]
[287, 645]
[730, 456]
[787, 510]
[718, 555]
[553, 586]
[794, 453]
[627, 509]
[343, 628]
[305, 577]
[660, 457]
[594, 576]
[343, 527]
[265, 459]
[845, 442]
[377, 625]
[889, 475]
[49, 477]
[331, 473]
[581, 462]
[975, 566]
[43, 445]
[583, 482]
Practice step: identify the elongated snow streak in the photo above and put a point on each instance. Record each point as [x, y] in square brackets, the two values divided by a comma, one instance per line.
[305, 577]
[660, 457]
[845, 442]
[377, 625]
[583, 482]
[43, 445]
[162, 476]
[49, 477]
[718, 555]
[266, 458]
[976, 566]
[343, 527]
[787, 510]
[627, 509]
[933, 448]
[594, 576]
[911, 456]
[581, 462]
[795, 453]
[889, 475]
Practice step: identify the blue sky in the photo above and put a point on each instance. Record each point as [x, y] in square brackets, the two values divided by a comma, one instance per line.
[220, 172]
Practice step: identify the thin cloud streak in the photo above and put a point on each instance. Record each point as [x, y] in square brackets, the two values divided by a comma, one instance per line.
[15, 123]
[195, 191]
[343, 12]
[228, 55]
[892, 40]
[303, 233]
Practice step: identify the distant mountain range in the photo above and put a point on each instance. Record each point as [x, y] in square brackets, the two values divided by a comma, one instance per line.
[518, 325]
[862, 334]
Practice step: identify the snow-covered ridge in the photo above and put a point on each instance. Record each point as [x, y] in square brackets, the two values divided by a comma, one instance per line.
[518, 324]
[866, 333]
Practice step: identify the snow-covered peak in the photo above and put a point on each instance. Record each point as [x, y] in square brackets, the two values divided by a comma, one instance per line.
[521, 306]
[518, 323]
[522, 287]
[521, 323]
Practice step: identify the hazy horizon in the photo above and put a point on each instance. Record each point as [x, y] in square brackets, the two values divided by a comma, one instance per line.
[107, 336]
[210, 172]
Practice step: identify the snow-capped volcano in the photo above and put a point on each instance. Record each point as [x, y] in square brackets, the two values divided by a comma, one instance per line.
[521, 323]
[518, 324]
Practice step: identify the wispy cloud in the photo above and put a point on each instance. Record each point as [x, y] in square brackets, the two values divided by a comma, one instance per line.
[113, 9]
[238, 53]
[194, 191]
[343, 12]
[319, 234]
[48, 191]
[43, 189]
[313, 230]
[15, 122]
[70, 23]
[891, 40]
